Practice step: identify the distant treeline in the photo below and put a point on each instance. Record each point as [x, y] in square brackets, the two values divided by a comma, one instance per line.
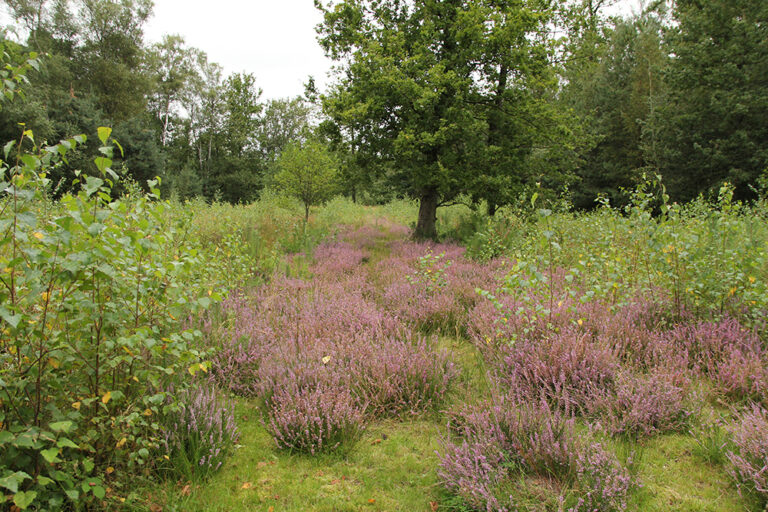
[443, 101]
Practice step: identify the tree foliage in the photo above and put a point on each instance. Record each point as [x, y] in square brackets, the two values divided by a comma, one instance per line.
[308, 172]
[441, 97]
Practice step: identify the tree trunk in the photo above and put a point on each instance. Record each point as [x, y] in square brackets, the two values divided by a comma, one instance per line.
[425, 228]
[491, 208]
[306, 213]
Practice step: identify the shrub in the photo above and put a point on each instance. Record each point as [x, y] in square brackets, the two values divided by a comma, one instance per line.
[315, 419]
[199, 432]
[504, 445]
[397, 377]
[604, 482]
[749, 459]
[644, 405]
[89, 332]
[566, 369]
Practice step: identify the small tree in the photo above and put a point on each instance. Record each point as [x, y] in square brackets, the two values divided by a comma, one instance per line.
[307, 171]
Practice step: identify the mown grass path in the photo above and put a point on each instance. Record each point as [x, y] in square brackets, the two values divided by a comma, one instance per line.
[393, 467]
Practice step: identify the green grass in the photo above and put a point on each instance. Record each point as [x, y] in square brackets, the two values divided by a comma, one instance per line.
[393, 465]
[676, 480]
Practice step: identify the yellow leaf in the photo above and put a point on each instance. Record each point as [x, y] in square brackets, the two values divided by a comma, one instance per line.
[210, 292]
[326, 359]
[38, 235]
[580, 321]
[53, 363]
[122, 442]
[135, 378]
[246, 485]
[107, 397]
[166, 457]
[148, 412]
[110, 470]
[77, 405]
[752, 279]
[45, 296]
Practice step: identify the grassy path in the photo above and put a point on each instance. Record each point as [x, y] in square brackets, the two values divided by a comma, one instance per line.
[393, 467]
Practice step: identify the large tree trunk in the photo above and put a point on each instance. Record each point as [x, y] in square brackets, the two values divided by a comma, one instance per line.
[425, 228]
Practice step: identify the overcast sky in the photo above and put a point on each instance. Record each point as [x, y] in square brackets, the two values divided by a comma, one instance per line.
[273, 39]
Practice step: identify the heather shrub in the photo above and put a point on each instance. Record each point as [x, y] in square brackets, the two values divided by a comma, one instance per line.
[743, 375]
[604, 483]
[315, 419]
[333, 260]
[198, 433]
[644, 405]
[566, 369]
[749, 459]
[506, 450]
[398, 377]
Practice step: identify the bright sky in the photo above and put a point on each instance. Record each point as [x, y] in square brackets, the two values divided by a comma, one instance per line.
[273, 39]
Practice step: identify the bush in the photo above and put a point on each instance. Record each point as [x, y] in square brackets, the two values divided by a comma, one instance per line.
[504, 445]
[93, 288]
[749, 459]
[198, 433]
[644, 405]
[315, 419]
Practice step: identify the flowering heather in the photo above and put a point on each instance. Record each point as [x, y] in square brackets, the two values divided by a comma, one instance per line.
[604, 483]
[644, 405]
[749, 460]
[335, 347]
[707, 344]
[364, 237]
[335, 259]
[399, 377]
[743, 375]
[314, 419]
[566, 369]
[200, 433]
[466, 470]
[502, 444]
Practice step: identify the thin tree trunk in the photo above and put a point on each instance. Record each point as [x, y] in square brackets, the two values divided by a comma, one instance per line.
[426, 226]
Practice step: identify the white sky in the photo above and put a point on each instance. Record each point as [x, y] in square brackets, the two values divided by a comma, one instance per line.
[273, 39]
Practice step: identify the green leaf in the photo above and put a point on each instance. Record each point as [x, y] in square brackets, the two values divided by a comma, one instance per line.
[12, 481]
[102, 163]
[98, 491]
[24, 499]
[5, 436]
[88, 465]
[7, 148]
[44, 480]
[66, 443]
[104, 133]
[51, 455]
[12, 320]
[73, 494]
[62, 426]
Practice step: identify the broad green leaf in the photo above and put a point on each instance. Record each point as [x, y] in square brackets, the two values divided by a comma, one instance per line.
[51, 455]
[11, 482]
[62, 426]
[24, 499]
[104, 133]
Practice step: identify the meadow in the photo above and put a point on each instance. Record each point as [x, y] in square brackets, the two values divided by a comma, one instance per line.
[160, 355]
